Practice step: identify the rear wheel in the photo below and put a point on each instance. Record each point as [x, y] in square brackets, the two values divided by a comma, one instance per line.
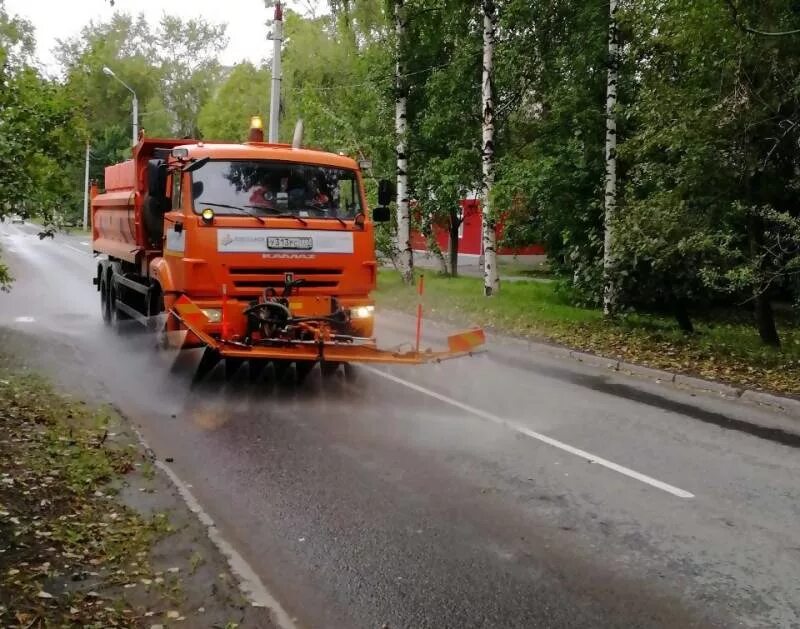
[118, 318]
[105, 307]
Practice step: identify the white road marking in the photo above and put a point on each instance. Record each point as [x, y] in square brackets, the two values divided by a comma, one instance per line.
[84, 243]
[24, 320]
[250, 584]
[74, 248]
[512, 425]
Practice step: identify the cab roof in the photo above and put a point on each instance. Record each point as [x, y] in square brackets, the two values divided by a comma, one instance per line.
[263, 150]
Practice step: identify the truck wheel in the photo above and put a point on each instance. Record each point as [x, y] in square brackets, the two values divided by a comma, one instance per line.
[118, 318]
[105, 306]
[301, 369]
[154, 305]
[351, 373]
[329, 368]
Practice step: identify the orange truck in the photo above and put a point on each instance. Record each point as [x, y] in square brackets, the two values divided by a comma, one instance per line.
[256, 251]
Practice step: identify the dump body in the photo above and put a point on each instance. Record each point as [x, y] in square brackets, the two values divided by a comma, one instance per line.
[117, 221]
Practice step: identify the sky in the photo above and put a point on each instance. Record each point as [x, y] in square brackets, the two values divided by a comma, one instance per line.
[246, 19]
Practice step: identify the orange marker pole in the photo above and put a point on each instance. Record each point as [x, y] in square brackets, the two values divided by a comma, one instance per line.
[224, 303]
[420, 291]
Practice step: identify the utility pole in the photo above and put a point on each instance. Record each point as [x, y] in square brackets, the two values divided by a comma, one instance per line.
[135, 119]
[275, 95]
[86, 190]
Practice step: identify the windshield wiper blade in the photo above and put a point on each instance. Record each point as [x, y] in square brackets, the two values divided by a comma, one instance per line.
[290, 215]
[234, 207]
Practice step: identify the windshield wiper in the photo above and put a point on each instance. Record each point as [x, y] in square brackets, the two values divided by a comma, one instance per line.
[234, 207]
[290, 215]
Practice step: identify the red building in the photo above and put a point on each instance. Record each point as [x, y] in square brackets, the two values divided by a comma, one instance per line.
[470, 241]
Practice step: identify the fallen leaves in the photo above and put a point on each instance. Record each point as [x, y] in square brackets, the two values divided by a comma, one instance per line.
[62, 532]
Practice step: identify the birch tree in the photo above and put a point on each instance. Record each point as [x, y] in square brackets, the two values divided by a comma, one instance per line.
[405, 256]
[609, 263]
[491, 277]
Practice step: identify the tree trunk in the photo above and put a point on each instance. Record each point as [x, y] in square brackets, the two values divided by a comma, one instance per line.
[405, 255]
[436, 250]
[491, 276]
[610, 289]
[455, 223]
[682, 317]
[765, 317]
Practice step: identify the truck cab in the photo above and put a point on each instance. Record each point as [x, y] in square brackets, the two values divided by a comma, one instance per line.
[228, 226]
[245, 220]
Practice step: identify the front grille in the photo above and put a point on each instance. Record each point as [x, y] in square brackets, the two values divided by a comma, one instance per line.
[279, 284]
[253, 280]
[281, 270]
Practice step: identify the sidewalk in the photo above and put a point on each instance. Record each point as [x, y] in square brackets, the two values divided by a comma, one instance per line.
[470, 267]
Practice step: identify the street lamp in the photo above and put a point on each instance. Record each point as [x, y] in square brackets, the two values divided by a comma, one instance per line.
[109, 72]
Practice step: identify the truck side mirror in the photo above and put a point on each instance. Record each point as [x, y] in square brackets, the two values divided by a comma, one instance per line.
[157, 178]
[385, 192]
[380, 214]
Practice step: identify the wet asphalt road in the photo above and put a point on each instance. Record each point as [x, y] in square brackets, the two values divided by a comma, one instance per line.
[507, 490]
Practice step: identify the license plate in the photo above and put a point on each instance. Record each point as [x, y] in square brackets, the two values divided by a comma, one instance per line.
[282, 242]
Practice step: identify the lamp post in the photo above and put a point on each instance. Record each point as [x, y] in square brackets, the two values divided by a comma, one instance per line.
[109, 72]
[86, 190]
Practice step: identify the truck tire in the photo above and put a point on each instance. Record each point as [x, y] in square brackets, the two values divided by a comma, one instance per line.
[329, 368]
[156, 325]
[105, 305]
[118, 318]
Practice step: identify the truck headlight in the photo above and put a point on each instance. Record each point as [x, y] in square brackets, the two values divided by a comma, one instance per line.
[214, 315]
[362, 312]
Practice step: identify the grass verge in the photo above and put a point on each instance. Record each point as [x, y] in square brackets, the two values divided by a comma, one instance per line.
[723, 350]
[68, 549]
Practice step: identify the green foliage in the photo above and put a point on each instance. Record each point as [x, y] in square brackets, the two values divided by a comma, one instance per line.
[187, 57]
[337, 78]
[40, 130]
[244, 93]
[173, 69]
[711, 153]
[551, 80]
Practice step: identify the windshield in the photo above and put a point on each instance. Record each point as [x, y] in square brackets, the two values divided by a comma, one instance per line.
[267, 188]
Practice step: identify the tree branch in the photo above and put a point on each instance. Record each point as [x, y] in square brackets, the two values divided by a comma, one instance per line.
[749, 29]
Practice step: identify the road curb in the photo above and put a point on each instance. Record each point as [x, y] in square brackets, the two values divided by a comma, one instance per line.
[711, 386]
[789, 407]
[595, 360]
[659, 375]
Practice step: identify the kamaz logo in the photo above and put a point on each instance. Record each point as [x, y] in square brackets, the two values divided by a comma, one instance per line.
[226, 240]
[288, 256]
